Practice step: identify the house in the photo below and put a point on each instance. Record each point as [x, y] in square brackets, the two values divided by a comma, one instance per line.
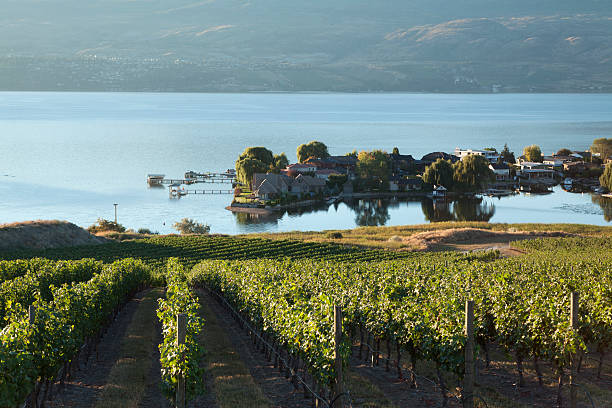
[490, 155]
[429, 158]
[267, 191]
[439, 192]
[308, 184]
[324, 174]
[348, 163]
[414, 184]
[574, 167]
[301, 168]
[401, 162]
[501, 171]
[525, 165]
[398, 183]
[281, 182]
[553, 162]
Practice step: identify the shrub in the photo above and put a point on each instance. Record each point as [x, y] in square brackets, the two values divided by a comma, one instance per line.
[189, 226]
[334, 235]
[146, 231]
[103, 225]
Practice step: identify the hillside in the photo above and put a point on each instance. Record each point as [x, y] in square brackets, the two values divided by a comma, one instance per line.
[45, 234]
[270, 45]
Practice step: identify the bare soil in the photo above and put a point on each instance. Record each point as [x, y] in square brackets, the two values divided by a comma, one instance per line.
[45, 234]
[472, 239]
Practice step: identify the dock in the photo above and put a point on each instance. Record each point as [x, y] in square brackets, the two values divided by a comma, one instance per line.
[178, 193]
[192, 181]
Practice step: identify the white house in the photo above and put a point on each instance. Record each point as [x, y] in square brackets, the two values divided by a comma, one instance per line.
[501, 171]
[301, 168]
[439, 192]
[490, 155]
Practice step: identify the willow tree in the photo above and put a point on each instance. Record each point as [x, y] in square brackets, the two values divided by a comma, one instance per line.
[472, 173]
[439, 173]
[602, 146]
[253, 160]
[606, 178]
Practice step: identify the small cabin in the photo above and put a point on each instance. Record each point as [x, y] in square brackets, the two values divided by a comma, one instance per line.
[439, 192]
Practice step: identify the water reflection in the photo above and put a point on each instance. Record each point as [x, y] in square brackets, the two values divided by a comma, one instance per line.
[250, 219]
[606, 206]
[370, 213]
[376, 212]
[464, 209]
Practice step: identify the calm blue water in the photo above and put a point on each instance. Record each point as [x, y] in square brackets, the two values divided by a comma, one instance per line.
[72, 155]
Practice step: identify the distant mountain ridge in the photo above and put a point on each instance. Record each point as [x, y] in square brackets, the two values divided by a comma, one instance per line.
[274, 45]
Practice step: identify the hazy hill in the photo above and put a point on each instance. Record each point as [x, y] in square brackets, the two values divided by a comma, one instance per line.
[238, 45]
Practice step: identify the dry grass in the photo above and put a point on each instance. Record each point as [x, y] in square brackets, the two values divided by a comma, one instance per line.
[44, 234]
[394, 237]
[233, 385]
[364, 393]
[127, 380]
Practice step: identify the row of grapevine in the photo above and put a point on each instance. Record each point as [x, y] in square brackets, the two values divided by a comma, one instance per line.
[521, 304]
[35, 350]
[34, 278]
[180, 360]
[193, 249]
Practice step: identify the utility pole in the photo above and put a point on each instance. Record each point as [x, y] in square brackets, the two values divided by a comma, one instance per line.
[115, 212]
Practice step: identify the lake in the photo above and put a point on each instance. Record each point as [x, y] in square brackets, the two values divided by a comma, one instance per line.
[72, 155]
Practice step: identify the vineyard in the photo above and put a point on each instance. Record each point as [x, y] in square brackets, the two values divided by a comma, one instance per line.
[402, 311]
[193, 249]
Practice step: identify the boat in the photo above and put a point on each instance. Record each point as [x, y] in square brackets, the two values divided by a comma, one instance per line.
[494, 192]
[177, 191]
[155, 179]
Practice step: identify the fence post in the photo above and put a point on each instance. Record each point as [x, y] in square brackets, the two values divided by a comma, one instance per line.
[574, 306]
[31, 314]
[338, 388]
[468, 379]
[181, 324]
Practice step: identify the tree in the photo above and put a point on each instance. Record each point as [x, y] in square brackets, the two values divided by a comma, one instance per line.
[103, 225]
[491, 149]
[602, 146]
[254, 160]
[337, 181]
[564, 152]
[606, 178]
[395, 151]
[353, 153]
[280, 162]
[314, 149]
[189, 226]
[506, 155]
[439, 173]
[247, 167]
[533, 153]
[472, 173]
[374, 168]
[260, 153]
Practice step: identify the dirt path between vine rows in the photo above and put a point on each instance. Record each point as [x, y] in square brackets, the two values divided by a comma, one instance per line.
[274, 385]
[84, 388]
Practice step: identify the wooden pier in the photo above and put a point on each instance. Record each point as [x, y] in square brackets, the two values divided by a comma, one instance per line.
[178, 193]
